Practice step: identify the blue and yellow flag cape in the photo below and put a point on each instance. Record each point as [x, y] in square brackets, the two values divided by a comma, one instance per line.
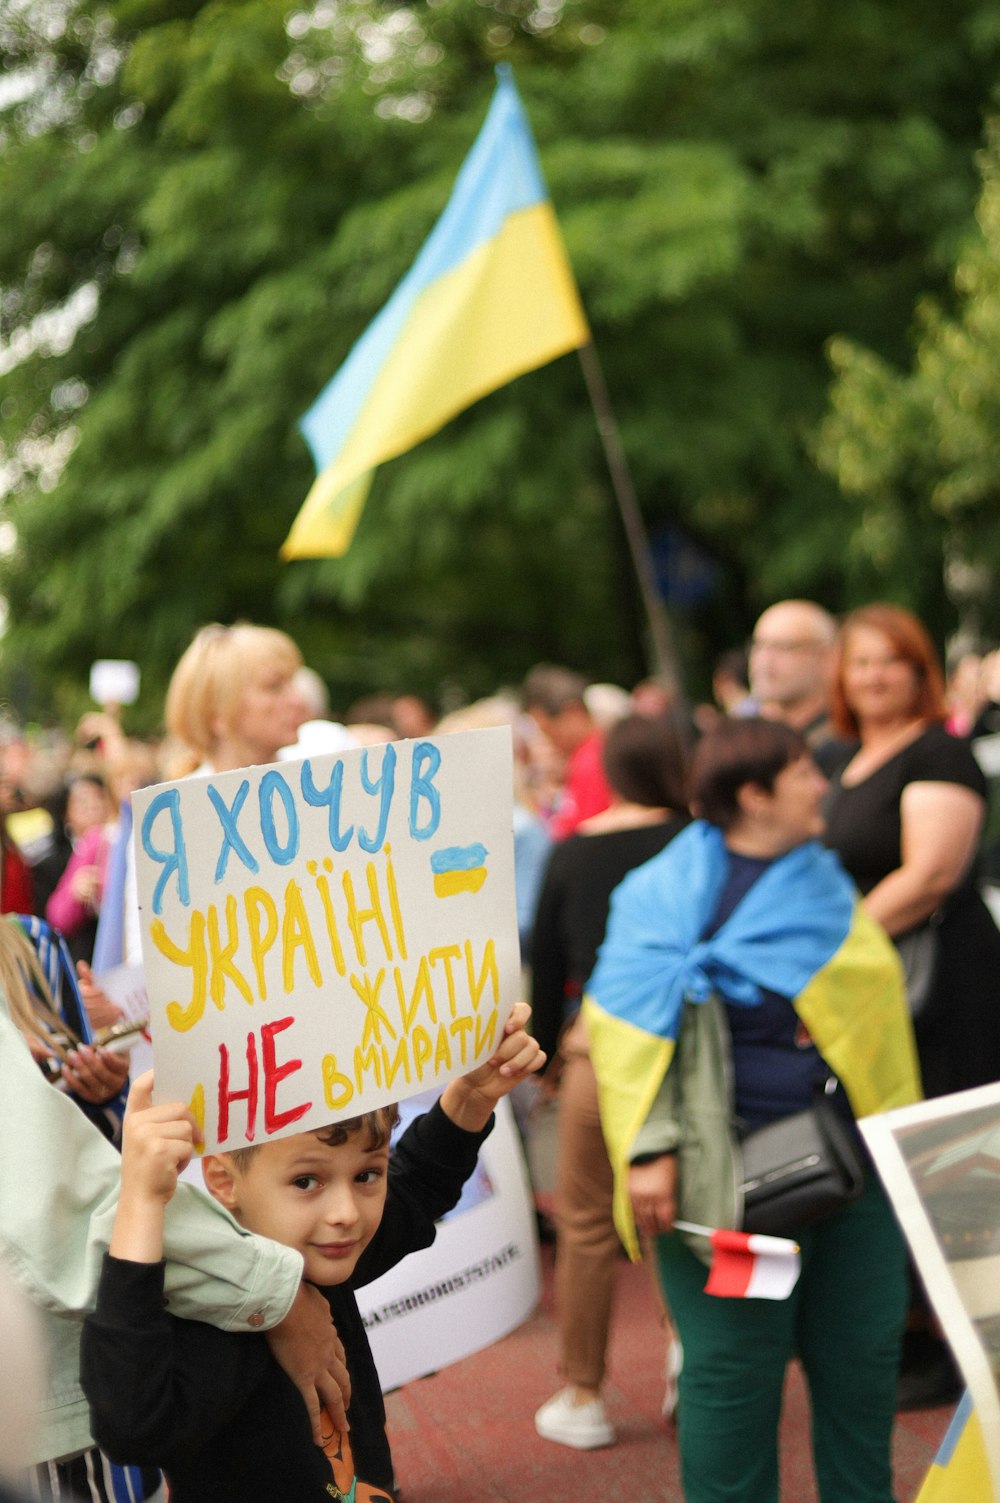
[800, 931]
[960, 1472]
[490, 296]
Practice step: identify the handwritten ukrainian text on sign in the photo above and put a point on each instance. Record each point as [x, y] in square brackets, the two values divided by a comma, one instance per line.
[325, 936]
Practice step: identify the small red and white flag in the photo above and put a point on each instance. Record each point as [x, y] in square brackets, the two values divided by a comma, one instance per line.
[748, 1265]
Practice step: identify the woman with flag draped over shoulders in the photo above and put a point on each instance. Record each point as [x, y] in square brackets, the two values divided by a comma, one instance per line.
[740, 976]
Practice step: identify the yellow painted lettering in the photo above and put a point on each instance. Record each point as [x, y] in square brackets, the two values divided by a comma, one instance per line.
[357, 917]
[422, 1049]
[442, 1050]
[487, 972]
[337, 1088]
[333, 933]
[221, 963]
[366, 1059]
[375, 1014]
[296, 934]
[460, 1029]
[422, 991]
[196, 957]
[401, 1062]
[394, 909]
[196, 1106]
[486, 1035]
[445, 954]
[257, 902]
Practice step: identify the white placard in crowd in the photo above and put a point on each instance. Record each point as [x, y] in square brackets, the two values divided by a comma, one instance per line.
[324, 936]
[114, 681]
[125, 986]
[479, 1279]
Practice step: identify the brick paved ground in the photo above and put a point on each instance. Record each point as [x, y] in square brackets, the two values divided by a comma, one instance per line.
[465, 1435]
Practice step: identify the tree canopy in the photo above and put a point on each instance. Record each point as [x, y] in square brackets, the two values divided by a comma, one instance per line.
[925, 441]
[206, 203]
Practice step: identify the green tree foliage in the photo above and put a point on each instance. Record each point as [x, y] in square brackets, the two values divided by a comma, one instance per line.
[918, 450]
[220, 196]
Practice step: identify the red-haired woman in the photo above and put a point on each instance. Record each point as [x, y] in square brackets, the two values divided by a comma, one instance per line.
[904, 815]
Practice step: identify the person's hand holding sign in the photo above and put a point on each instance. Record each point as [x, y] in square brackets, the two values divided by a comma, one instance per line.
[469, 1101]
[157, 1143]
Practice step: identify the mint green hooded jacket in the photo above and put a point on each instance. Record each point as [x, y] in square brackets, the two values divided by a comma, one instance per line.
[58, 1192]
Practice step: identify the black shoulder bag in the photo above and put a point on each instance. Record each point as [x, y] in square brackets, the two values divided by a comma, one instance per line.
[801, 1168]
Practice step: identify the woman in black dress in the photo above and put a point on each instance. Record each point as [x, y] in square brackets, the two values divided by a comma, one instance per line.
[904, 814]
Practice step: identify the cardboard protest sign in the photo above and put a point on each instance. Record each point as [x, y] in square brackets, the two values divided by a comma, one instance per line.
[325, 936]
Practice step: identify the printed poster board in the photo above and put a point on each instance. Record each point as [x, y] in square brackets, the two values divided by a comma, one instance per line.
[478, 1280]
[940, 1163]
[324, 936]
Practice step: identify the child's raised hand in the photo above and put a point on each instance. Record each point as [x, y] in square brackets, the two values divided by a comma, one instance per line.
[518, 1056]
[157, 1143]
[470, 1100]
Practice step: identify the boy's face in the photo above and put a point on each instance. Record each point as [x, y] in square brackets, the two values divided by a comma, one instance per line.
[324, 1201]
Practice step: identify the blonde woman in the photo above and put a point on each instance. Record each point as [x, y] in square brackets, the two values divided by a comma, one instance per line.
[233, 699]
[232, 702]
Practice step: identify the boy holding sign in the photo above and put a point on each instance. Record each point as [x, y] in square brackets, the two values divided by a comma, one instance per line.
[215, 1410]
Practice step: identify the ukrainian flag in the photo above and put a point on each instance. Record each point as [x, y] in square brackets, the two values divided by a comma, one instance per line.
[800, 931]
[490, 296]
[959, 1472]
[459, 868]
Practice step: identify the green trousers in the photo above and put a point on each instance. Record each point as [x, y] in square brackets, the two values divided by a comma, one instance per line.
[844, 1321]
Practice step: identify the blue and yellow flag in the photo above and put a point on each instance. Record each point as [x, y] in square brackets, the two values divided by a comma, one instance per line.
[490, 296]
[800, 931]
[959, 1472]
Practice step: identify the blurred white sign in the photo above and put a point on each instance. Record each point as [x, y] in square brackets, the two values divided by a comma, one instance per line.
[114, 681]
[478, 1280]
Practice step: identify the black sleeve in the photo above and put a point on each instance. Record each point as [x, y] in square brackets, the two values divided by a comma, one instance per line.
[427, 1169]
[549, 959]
[158, 1386]
[939, 757]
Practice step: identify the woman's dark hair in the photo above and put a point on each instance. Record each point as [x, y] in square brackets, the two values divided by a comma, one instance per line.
[734, 753]
[644, 762]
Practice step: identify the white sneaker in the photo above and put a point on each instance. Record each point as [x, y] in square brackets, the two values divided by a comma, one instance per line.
[671, 1372]
[582, 1426]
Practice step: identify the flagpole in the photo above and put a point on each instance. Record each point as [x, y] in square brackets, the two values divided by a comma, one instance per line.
[661, 633]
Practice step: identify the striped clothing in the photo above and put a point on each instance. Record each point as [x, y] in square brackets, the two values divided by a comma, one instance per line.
[92, 1478]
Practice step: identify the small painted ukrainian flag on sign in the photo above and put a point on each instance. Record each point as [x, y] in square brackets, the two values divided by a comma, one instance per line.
[458, 868]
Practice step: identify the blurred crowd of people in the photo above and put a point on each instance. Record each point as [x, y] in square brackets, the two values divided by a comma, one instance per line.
[242, 695]
[880, 756]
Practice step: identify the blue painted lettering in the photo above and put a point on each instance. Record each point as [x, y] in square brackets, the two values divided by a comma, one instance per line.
[422, 790]
[232, 840]
[270, 784]
[174, 860]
